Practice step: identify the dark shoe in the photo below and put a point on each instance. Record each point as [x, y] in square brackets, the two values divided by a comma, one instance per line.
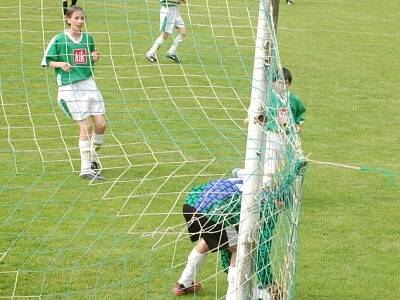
[289, 2]
[95, 166]
[180, 290]
[151, 58]
[173, 57]
[91, 175]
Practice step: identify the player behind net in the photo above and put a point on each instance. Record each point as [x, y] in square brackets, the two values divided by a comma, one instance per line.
[170, 18]
[212, 214]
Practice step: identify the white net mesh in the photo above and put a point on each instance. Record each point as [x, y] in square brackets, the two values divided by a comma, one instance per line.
[170, 127]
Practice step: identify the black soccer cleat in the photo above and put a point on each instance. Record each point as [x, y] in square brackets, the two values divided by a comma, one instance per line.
[91, 175]
[95, 166]
[151, 58]
[173, 57]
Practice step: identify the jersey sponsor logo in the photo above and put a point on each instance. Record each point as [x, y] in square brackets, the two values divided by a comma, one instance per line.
[80, 56]
[283, 116]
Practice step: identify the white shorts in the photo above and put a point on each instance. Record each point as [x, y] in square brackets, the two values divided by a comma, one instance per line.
[81, 99]
[170, 17]
[274, 155]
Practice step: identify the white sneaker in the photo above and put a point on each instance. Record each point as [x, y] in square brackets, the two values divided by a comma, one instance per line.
[91, 175]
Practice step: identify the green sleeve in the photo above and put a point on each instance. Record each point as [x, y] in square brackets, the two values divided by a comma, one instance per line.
[298, 109]
[301, 112]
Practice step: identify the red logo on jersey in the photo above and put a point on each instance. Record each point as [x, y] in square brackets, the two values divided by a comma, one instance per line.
[80, 56]
[283, 116]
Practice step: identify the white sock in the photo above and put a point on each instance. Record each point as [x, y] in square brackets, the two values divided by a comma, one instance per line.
[231, 292]
[178, 40]
[97, 142]
[195, 261]
[157, 44]
[84, 148]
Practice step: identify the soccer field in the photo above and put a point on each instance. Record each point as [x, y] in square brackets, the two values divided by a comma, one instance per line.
[173, 126]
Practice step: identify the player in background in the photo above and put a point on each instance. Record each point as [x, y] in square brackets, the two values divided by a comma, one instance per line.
[72, 53]
[277, 119]
[65, 5]
[296, 104]
[170, 17]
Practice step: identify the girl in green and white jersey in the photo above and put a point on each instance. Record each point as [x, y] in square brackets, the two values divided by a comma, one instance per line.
[170, 17]
[72, 53]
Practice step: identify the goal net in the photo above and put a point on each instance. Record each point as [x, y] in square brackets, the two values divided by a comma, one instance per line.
[170, 128]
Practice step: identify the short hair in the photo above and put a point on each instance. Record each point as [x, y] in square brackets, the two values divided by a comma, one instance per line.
[287, 75]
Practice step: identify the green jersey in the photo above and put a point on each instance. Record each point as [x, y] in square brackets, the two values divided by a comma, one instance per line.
[276, 109]
[169, 3]
[297, 108]
[278, 113]
[63, 48]
[218, 200]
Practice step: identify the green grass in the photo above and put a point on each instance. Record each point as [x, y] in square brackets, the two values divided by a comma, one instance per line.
[173, 126]
[342, 54]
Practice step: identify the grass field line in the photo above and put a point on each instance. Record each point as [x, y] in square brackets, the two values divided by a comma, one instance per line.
[15, 284]
[2, 255]
[389, 173]
[334, 164]
[340, 31]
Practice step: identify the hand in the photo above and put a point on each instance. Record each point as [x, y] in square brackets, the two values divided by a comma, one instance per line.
[95, 56]
[298, 128]
[280, 204]
[65, 66]
[260, 120]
